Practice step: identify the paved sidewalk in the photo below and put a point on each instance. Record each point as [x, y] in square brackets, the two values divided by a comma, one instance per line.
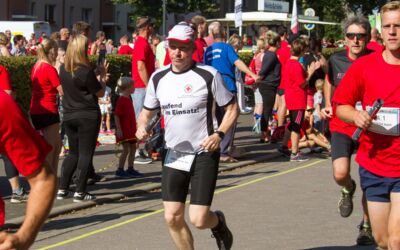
[115, 189]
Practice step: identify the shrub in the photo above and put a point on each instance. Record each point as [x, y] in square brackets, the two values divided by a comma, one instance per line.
[20, 68]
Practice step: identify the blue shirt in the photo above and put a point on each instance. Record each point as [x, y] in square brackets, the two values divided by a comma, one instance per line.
[222, 57]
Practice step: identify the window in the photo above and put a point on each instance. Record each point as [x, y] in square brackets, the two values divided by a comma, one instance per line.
[118, 16]
[71, 15]
[49, 13]
[33, 8]
[87, 15]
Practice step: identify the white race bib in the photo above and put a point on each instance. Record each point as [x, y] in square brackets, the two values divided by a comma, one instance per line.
[387, 121]
[179, 160]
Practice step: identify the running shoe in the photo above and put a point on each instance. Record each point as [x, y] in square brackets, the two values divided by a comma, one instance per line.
[131, 172]
[96, 178]
[298, 157]
[62, 194]
[19, 197]
[284, 151]
[120, 173]
[141, 158]
[365, 237]
[222, 235]
[345, 204]
[82, 197]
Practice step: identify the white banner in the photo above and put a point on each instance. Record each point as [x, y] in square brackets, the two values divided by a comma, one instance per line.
[238, 13]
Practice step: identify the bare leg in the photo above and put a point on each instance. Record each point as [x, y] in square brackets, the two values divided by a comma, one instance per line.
[379, 216]
[295, 137]
[131, 155]
[341, 172]
[124, 154]
[282, 111]
[52, 136]
[394, 222]
[175, 218]
[201, 217]
[108, 124]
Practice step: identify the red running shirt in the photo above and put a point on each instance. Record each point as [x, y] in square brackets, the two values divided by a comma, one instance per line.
[368, 79]
[25, 148]
[283, 54]
[5, 82]
[295, 76]
[126, 114]
[142, 52]
[125, 50]
[45, 81]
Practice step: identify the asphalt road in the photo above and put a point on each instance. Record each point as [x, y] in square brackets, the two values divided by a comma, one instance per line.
[271, 205]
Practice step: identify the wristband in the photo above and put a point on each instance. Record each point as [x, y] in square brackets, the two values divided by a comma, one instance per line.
[220, 134]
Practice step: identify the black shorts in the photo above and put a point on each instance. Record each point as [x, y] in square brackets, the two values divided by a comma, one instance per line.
[280, 92]
[44, 120]
[342, 146]
[296, 119]
[202, 180]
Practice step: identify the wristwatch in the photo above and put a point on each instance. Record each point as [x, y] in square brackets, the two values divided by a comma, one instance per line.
[220, 134]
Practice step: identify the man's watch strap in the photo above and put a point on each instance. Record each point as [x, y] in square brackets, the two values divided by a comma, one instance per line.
[220, 134]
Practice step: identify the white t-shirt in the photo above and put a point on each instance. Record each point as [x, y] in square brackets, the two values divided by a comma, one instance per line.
[187, 101]
[107, 95]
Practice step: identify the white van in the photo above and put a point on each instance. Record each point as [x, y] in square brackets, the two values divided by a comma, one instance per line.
[26, 28]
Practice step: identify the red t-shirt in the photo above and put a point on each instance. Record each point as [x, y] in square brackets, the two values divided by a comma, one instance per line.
[142, 52]
[45, 81]
[25, 148]
[295, 76]
[126, 114]
[125, 50]
[5, 82]
[375, 46]
[368, 79]
[198, 54]
[283, 54]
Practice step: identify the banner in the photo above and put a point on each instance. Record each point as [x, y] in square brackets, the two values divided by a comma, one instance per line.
[238, 13]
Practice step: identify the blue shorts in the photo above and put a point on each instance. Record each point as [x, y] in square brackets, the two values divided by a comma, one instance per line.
[378, 188]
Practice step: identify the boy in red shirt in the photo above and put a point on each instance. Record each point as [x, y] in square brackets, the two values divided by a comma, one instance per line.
[296, 81]
[369, 78]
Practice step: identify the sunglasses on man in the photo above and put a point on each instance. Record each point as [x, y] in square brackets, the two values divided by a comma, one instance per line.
[360, 36]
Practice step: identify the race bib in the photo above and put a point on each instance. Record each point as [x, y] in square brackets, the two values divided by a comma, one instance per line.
[387, 121]
[179, 160]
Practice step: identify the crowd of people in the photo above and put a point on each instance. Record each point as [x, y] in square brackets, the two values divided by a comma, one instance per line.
[301, 99]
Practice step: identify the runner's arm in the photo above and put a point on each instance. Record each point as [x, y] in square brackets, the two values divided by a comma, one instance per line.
[349, 114]
[41, 197]
[326, 112]
[144, 118]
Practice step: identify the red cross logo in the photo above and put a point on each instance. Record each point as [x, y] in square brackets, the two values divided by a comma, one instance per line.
[188, 88]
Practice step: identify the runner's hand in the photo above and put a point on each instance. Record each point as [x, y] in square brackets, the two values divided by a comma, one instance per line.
[212, 142]
[141, 133]
[326, 113]
[12, 241]
[362, 119]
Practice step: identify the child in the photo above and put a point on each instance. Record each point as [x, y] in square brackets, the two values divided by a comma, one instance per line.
[318, 99]
[125, 124]
[105, 108]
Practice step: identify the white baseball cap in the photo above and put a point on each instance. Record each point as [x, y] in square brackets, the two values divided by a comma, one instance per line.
[181, 33]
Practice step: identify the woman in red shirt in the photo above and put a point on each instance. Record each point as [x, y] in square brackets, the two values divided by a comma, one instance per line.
[45, 87]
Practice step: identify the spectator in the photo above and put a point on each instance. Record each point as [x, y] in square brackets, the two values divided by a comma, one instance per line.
[27, 150]
[125, 123]
[81, 115]
[199, 26]
[262, 31]
[318, 104]
[55, 36]
[43, 107]
[155, 40]
[100, 39]
[105, 109]
[3, 45]
[374, 42]
[143, 65]
[82, 28]
[9, 36]
[19, 46]
[64, 38]
[110, 46]
[270, 76]
[212, 26]
[134, 36]
[124, 49]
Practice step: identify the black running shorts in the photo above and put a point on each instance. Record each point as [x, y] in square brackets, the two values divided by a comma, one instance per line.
[296, 119]
[202, 180]
[44, 120]
[342, 146]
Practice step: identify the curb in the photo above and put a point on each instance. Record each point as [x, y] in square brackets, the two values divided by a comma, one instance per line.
[64, 209]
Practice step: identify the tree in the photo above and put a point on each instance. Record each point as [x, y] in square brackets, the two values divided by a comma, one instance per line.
[153, 8]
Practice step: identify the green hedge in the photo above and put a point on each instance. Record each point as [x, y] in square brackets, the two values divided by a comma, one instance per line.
[20, 68]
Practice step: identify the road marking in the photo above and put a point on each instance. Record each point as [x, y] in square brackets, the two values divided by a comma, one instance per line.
[162, 210]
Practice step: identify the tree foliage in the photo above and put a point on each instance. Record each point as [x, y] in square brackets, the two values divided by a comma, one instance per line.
[153, 8]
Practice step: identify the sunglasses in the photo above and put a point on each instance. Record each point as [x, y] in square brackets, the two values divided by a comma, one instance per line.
[310, 110]
[360, 36]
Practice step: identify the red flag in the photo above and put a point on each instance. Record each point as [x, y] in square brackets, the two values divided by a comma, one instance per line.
[294, 23]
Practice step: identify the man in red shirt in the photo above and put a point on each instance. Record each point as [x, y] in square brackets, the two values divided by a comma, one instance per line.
[199, 25]
[27, 151]
[143, 65]
[373, 43]
[357, 30]
[369, 78]
[124, 49]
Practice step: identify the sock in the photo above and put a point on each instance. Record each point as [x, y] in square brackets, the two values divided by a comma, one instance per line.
[18, 191]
